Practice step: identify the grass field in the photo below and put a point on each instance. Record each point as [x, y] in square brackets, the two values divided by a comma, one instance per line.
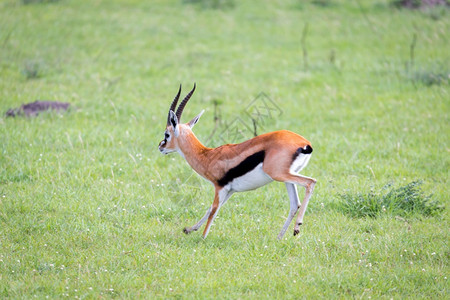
[90, 209]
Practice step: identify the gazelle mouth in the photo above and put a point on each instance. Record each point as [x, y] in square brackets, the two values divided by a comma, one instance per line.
[163, 151]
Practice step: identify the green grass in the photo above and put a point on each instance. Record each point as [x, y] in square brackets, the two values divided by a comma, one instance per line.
[89, 208]
[408, 200]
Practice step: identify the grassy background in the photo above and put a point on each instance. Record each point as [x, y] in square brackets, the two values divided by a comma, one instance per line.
[89, 208]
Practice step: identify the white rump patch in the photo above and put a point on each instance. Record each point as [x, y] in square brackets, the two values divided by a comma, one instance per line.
[299, 163]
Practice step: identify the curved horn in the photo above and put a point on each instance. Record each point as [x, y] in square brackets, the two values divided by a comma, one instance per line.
[173, 105]
[183, 104]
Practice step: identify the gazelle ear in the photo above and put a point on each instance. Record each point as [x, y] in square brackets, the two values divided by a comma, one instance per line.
[195, 119]
[174, 122]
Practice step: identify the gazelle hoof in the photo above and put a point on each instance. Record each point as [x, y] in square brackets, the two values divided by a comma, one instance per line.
[296, 231]
[186, 231]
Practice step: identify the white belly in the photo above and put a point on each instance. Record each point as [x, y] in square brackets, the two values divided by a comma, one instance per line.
[250, 181]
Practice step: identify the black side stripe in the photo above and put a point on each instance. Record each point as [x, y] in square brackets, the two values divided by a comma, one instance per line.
[306, 150]
[243, 168]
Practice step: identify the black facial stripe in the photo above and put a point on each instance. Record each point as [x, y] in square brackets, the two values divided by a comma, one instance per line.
[306, 150]
[243, 168]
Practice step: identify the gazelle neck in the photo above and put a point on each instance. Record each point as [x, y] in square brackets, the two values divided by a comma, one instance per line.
[193, 151]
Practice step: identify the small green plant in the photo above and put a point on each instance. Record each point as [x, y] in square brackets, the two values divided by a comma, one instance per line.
[414, 4]
[434, 76]
[318, 3]
[322, 3]
[31, 69]
[403, 201]
[430, 78]
[212, 4]
[25, 2]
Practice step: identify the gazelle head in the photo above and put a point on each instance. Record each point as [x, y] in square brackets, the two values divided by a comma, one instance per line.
[174, 129]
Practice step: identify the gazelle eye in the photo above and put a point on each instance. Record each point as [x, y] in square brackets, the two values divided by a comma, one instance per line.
[166, 135]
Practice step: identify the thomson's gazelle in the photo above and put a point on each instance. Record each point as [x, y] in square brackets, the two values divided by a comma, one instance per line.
[231, 168]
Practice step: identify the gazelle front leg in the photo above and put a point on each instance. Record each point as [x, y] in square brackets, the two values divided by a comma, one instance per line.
[221, 196]
[199, 223]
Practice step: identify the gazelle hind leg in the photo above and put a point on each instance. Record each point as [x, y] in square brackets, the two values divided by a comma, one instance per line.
[309, 184]
[304, 181]
[294, 206]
